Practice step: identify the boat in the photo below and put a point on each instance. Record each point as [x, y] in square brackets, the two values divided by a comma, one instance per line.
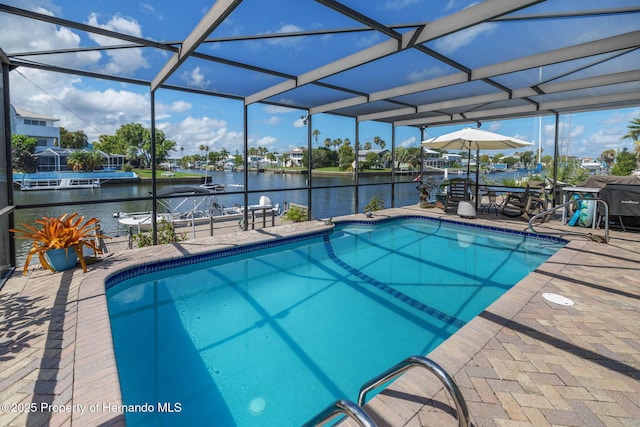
[218, 188]
[591, 165]
[176, 208]
[197, 205]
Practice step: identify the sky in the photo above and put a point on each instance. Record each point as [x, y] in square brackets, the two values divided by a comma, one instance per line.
[101, 107]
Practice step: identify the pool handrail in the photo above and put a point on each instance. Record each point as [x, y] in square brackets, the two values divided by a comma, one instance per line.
[345, 407]
[575, 200]
[449, 383]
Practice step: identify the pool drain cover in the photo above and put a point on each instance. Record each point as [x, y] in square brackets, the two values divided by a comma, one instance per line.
[557, 299]
[257, 405]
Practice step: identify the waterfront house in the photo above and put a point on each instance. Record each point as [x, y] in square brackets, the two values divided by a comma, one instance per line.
[295, 157]
[383, 160]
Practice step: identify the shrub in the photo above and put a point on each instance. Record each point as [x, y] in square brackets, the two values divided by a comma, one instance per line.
[375, 204]
[295, 214]
[166, 234]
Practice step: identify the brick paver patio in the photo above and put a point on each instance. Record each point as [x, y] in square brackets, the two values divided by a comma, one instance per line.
[524, 361]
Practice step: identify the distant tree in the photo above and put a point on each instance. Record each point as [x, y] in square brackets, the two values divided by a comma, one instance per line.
[413, 157]
[509, 161]
[372, 160]
[271, 157]
[634, 135]
[22, 157]
[625, 163]
[328, 143]
[316, 134]
[386, 158]
[379, 142]
[110, 144]
[367, 145]
[402, 156]
[346, 156]
[84, 160]
[78, 161]
[77, 139]
[526, 158]
[135, 142]
[323, 157]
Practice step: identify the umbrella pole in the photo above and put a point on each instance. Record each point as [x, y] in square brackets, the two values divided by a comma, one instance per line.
[477, 175]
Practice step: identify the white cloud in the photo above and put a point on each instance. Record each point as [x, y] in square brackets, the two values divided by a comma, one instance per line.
[275, 109]
[19, 34]
[123, 61]
[151, 10]
[622, 116]
[398, 4]
[577, 132]
[192, 132]
[195, 78]
[409, 142]
[425, 73]
[266, 141]
[455, 41]
[180, 106]
[494, 126]
[273, 121]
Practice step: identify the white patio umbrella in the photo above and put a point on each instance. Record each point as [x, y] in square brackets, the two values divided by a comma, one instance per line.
[474, 138]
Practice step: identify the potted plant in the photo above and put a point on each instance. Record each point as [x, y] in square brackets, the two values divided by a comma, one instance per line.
[425, 190]
[53, 241]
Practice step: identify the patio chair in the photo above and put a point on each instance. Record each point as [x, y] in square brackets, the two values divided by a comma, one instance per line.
[458, 192]
[527, 203]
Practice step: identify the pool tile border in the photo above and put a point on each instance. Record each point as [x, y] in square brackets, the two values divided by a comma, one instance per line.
[498, 230]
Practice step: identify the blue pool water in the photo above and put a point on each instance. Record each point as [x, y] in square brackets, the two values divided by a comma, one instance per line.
[271, 335]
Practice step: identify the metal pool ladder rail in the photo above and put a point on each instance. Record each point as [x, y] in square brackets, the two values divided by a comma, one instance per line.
[342, 406]
[363, 419]
[570, 202]
[461, 406]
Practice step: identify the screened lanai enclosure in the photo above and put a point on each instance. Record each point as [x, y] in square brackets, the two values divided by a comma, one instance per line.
[406, 66]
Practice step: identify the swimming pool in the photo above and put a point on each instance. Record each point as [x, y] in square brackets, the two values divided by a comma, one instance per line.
[273, 333]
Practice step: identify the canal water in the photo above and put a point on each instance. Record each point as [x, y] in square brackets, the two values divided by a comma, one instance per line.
[326, 203]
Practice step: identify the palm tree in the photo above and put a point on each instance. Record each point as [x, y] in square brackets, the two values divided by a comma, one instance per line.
[634, 134]
[316, 134]
[327, 142]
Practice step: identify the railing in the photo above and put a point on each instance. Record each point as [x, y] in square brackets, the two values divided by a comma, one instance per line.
[345, 407]
[463, 412]
[564, 205]
[356, 412]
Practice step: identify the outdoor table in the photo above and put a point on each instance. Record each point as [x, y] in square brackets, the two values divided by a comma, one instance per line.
[264, 209]
[492, 195]
[580, 190]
